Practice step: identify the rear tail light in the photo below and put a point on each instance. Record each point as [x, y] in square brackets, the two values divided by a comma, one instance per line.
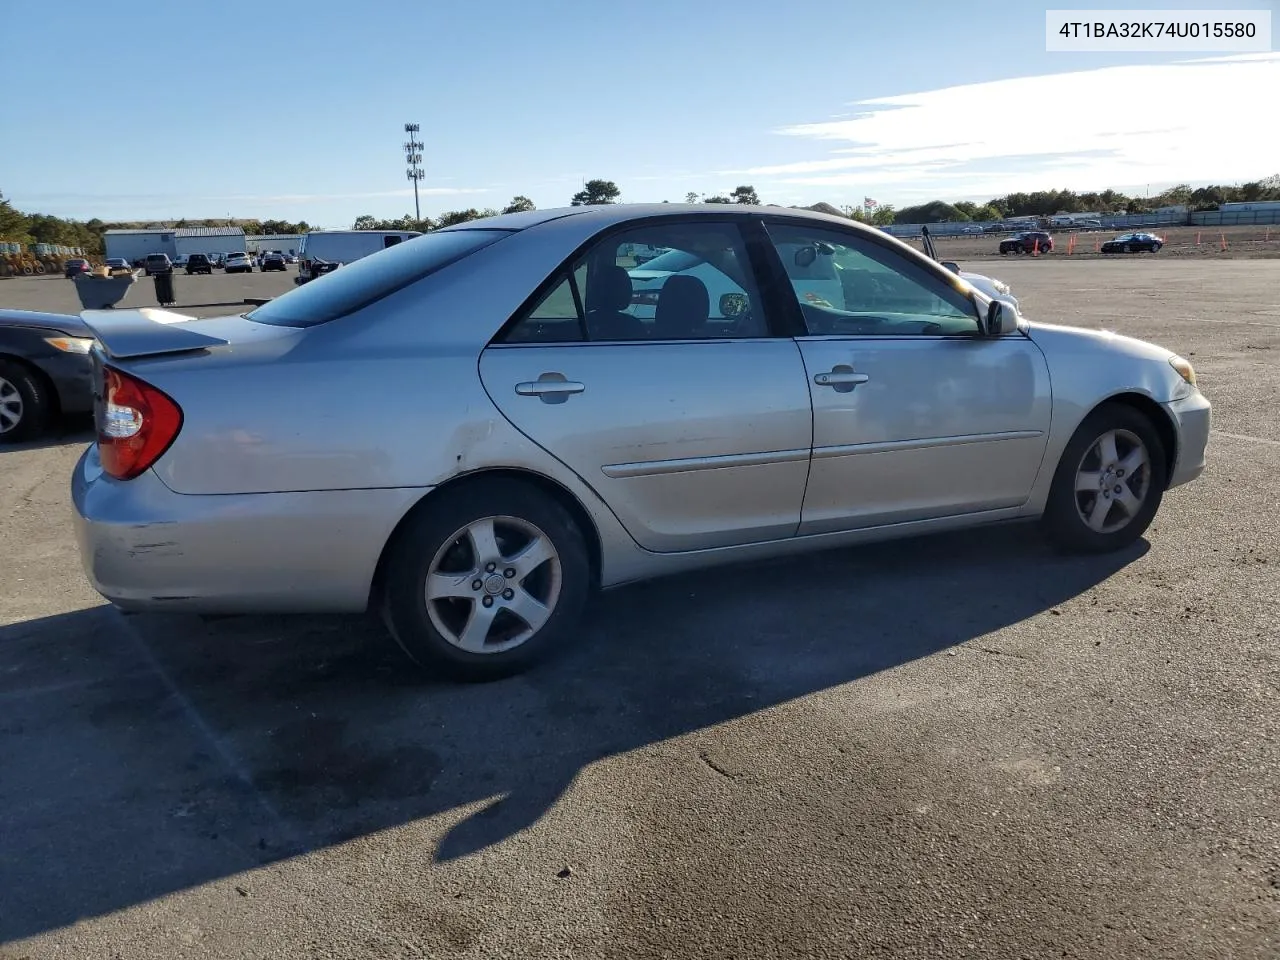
[136, 424]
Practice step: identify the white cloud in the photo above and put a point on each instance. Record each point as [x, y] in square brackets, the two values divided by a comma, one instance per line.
[1195, 120]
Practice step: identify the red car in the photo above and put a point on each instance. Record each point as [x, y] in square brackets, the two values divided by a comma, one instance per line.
[74, 266]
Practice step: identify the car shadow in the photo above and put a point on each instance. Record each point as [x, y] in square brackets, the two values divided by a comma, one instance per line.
[71, 428]
[145, 754]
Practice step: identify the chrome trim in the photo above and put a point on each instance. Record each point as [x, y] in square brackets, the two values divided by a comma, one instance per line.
[649, 468]
[883, 446]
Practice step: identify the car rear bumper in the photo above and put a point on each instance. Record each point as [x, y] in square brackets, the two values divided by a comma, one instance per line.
[144, 547]
[1192, 417]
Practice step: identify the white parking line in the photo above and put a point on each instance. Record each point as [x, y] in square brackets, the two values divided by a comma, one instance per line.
[1241, 436]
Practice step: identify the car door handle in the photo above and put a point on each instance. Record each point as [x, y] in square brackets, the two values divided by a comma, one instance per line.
[840, 378]
[538, 388]
[550, 388]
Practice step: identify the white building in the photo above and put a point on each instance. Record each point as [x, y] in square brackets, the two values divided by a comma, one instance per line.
[136, 244]
[284, 242]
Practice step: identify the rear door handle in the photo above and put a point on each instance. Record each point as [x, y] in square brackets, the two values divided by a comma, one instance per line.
[550, 388]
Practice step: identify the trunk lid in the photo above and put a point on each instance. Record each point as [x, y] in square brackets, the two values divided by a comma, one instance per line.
[144, 332]
[151, 332]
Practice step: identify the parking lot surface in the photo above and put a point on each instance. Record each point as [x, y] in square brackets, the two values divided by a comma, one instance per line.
[964, 746]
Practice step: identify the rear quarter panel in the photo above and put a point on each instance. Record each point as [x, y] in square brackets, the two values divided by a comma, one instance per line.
[389, 396]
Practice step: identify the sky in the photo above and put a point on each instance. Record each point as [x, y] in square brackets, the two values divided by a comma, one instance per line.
[297, 112]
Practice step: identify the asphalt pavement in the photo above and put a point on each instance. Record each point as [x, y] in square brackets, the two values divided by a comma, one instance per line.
[962, 746]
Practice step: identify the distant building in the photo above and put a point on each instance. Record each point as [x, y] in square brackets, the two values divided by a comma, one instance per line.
[135, 244]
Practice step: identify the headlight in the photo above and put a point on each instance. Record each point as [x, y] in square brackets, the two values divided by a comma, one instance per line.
[1185, 370]
[71, 344]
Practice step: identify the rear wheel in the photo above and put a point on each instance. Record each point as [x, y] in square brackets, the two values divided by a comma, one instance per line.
[24, 404]
[1109, 482]
[486, 580]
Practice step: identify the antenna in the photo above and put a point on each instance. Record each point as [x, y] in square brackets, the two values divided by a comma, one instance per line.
[413, 157]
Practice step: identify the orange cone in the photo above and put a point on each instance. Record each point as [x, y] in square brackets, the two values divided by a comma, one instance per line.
[1197, 238]
[1223, 238]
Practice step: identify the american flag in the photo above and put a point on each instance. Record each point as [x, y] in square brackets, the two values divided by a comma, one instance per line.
[868, 203]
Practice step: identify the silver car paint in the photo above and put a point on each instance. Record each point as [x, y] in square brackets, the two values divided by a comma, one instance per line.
[940, 427]
[347, 425]
[714, 452]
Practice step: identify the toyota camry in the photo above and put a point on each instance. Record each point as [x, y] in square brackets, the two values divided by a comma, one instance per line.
[471, 431]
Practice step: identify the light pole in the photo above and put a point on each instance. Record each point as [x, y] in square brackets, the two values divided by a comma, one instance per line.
[413, 156]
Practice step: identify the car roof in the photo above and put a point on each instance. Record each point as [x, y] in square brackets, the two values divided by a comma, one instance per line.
[608, 214]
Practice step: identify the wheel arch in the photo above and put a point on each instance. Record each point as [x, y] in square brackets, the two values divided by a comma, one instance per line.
[556, 491]
[1160, 420]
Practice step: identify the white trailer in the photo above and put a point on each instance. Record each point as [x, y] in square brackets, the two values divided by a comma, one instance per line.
[324, 250]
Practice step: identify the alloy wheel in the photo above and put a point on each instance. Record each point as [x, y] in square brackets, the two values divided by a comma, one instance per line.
[493, 584]
[10, 406]
[1112, 481]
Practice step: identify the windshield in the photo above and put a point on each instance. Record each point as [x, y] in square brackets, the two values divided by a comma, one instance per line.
[373, 277]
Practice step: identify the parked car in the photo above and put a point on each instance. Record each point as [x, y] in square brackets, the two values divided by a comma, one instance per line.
[1029, 241]
[238, 263]
[199, 263]
[538, 471]
[117, 263]
[273, 261]
[45, 368]
[157, 263]
[180, 261]
[75, 267]
[1133, 243]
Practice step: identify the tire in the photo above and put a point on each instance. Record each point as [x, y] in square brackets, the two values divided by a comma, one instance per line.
[24, 404]
[1155, 247]
[432, 632]
[1067, 511]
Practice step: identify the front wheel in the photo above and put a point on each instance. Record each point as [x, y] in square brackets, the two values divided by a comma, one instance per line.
[485, 580]
[24, 404]
[1109, 482]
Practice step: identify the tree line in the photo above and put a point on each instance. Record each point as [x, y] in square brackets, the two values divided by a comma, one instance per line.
[25, 228]
[19, 227]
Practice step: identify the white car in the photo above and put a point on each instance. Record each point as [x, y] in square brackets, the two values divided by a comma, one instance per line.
[180, 261]
[238, 263]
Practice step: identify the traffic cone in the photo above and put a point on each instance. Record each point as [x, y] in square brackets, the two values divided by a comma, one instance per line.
[1197, 238]
[1035, 247]
[1223, 239]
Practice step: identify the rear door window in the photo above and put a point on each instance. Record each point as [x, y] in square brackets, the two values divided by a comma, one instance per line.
[371, 278]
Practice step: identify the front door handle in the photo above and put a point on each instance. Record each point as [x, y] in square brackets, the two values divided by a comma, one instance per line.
[550, 388]
[841, 377]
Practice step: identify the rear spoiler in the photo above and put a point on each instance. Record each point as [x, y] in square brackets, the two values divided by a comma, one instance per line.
[123, 334]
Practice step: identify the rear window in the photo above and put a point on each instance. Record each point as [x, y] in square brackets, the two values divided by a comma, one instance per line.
[371, 278]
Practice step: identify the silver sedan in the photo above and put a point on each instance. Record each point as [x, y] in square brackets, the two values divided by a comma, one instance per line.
[471, 431]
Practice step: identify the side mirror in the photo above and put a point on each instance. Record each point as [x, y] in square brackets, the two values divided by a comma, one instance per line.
[952, 266]
[733, 304]
[805, 256]
[999, 318]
